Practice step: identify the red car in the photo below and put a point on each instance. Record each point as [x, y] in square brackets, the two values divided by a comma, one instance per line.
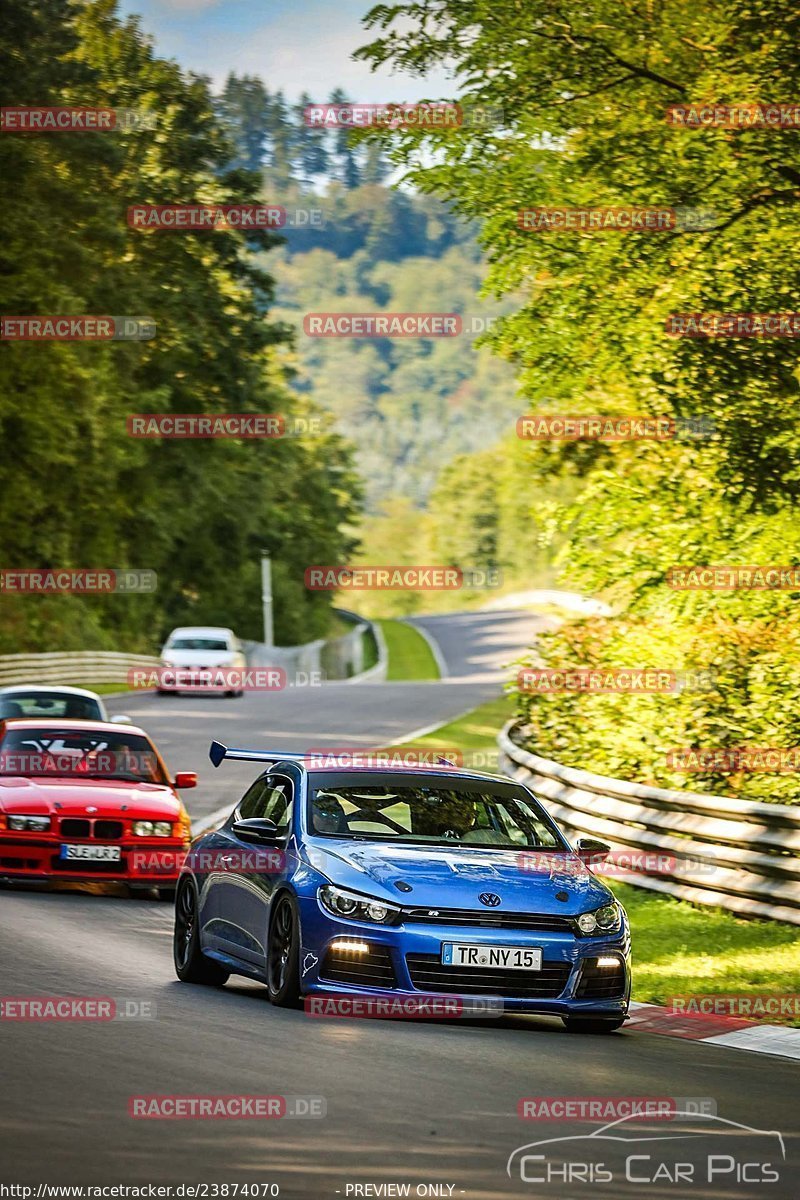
[89, 800]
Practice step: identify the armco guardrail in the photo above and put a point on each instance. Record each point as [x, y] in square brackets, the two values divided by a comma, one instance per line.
[334, 659]
[737, 854]
[80, 666]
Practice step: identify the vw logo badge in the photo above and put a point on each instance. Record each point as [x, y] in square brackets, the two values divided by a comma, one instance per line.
[489, 899]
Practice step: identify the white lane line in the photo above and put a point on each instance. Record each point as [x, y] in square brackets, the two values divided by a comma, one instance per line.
[212, 821]
[424, 730]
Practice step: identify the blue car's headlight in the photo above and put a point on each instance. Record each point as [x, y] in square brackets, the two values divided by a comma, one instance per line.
[342, 903]
[607, 919]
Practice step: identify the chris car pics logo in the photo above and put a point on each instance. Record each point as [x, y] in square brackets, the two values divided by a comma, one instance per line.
[698, 1154]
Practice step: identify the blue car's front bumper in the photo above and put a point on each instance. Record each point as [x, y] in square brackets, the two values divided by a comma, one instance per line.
[404, 961]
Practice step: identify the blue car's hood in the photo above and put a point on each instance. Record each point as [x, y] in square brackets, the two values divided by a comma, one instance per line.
[446, 877]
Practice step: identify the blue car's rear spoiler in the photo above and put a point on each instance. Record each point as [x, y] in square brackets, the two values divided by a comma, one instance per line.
[217, 752]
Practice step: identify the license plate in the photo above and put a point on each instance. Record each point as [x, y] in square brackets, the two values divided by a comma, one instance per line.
[508, 958]
[95, 853]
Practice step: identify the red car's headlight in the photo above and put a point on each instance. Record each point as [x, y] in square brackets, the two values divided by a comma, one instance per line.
[29, 824]
[152, 829]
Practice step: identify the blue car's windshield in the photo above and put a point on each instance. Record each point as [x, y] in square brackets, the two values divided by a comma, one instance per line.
[431, 815]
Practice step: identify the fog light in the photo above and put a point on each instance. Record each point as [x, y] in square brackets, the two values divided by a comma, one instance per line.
[350, 946]
[608, 960]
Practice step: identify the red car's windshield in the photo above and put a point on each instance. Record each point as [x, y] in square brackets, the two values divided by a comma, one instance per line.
[91, 754]
[41, 703]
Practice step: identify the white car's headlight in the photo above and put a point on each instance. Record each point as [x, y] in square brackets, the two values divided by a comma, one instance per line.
[152, 828]
[29, 823]
[607, 919]
[342, 903]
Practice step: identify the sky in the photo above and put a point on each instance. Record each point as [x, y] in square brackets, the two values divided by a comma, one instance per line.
[300, 46]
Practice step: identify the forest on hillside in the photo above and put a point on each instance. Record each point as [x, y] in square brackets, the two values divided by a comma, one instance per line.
[424, 416]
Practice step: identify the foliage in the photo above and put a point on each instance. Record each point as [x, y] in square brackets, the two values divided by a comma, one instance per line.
[82, 492]
[410, 405]
[579, 95]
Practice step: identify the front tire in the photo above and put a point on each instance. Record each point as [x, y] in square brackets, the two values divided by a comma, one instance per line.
[191, 965]
[283, 955]
[592, 1024]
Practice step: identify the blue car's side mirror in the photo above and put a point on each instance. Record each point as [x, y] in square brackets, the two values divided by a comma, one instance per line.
[593, 849]
[256, 829]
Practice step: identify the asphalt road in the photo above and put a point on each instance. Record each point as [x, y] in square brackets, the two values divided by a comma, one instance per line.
[476, 647]
[407, 1102]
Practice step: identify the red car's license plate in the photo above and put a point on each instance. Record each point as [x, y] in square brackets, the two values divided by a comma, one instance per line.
[95, 853]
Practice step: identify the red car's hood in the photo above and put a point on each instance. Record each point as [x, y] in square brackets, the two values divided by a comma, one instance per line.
[111, 798]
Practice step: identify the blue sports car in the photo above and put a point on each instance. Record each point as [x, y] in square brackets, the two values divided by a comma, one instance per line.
[402, 882]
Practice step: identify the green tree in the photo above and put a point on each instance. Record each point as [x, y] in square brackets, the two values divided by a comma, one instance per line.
[244, 109]
[577, 97]
[84, 492]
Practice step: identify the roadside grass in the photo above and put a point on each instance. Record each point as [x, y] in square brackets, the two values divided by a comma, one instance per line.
[474, 734]
[679, 948]
[410, 656]
[104, 689]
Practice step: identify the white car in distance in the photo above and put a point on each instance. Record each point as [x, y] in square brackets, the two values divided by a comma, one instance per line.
[194, 650]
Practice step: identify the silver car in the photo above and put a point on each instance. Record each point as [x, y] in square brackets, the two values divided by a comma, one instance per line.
[46, 700]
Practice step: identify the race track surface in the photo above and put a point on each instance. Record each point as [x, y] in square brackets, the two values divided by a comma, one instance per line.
[407, 1102]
